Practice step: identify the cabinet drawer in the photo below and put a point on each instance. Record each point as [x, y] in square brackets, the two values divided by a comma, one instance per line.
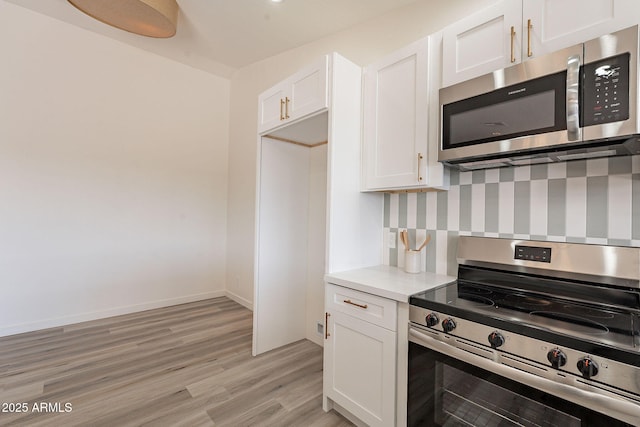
[370, 308]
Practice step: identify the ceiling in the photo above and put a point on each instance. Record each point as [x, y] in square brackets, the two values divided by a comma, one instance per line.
[220, 36]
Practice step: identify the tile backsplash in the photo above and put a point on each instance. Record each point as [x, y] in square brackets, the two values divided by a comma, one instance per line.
[584, 201]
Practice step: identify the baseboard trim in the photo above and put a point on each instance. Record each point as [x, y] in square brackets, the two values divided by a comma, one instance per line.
[240, 300]
[101, 314]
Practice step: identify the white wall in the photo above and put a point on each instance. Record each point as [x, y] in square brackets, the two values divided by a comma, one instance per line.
[113, 176]
[363, 45]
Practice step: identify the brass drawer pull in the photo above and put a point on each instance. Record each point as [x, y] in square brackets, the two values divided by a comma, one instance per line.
[348, 301]
[326, 325]
[286, 107]
[529, 27]
[513, 36]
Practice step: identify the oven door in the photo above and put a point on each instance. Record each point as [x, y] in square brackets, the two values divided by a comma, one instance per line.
[449, 391]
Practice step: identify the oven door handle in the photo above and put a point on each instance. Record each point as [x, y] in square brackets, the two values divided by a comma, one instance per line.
[618, 408]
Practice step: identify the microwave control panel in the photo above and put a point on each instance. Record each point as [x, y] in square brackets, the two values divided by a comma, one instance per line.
[605, 90]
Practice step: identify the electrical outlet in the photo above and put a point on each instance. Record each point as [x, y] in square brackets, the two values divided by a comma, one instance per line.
[392, 240]
[319, 328]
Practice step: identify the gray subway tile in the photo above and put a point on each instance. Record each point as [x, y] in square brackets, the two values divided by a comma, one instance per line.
[431, 251]
[478, 177]
[421, 211]
[619, 165]
[442, 201]
[576, 168]
[387, 210]
[402, 210]
[393, 252]
[465, 208]
[454, 177]
[539, 171]
[597, 198]
[506, 174]
[576, 239]
[491, 211]
[521, 213]
[619, 242]
[452, 251]
[557, 207]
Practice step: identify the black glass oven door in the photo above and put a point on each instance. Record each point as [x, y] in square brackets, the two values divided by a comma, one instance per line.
[444, 391]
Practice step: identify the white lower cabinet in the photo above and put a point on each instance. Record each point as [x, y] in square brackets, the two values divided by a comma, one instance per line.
[360, 351]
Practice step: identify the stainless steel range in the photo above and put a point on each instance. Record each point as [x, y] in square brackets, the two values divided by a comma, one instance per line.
[532, 334]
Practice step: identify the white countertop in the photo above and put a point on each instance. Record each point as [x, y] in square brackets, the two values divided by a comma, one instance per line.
[388, 282]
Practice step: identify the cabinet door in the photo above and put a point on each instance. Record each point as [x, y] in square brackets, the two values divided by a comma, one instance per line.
[556, 24]
[395, 119]
[359, 371]
[307, 90]
[271, 108]
[482, 43]
[302, 94]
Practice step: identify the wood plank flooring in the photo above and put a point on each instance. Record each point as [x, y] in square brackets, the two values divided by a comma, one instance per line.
[186, 365]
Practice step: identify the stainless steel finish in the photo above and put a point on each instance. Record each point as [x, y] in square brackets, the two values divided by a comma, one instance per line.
[573, 98]
[625, 377]
[621, 406]
[602, 47]
[531, 69]
[613, 265]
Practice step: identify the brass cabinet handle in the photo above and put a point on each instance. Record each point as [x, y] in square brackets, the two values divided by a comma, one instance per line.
[286, 107]
[420, 157]
[326, 325]
[513, 36]
[348, 301]
[281, 105]
[529, 27]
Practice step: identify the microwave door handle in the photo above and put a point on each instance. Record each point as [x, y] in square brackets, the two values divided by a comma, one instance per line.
[573, 98]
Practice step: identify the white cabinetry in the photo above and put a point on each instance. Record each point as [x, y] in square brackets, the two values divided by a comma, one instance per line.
[311, 217]
[303, 93]
[481, 43]
[513, 31]
[360, 355]
[397, 125]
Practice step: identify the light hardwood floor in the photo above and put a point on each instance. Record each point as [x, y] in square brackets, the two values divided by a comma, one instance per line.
[187, 365]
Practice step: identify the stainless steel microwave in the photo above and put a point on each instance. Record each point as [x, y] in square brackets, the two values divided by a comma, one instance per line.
[576, 103]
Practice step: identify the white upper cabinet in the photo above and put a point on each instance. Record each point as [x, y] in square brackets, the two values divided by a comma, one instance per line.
[396, 121]
[513, 31]
[300, 95]
[556, 24]
[481, 43]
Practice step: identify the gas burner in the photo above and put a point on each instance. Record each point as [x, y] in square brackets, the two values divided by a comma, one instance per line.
[589, 312]
[474, 289]
[476, 299]
[579, 324]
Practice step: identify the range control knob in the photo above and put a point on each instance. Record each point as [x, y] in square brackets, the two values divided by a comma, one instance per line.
[431, 320]
[557, 358]
[448, 324]
[496, 339]
[587, 367]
